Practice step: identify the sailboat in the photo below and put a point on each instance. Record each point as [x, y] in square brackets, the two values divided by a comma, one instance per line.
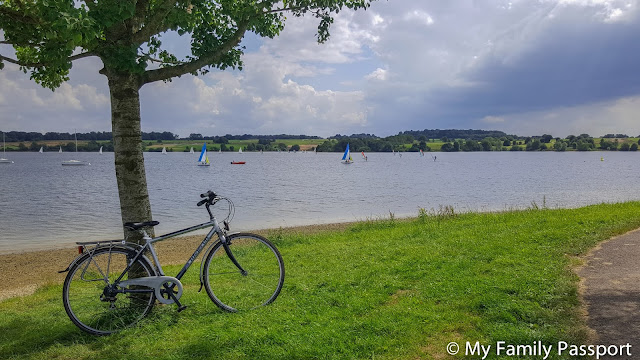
[100, 151]
[364, 157]
[74, 162]
[421, 152]
[164, 150]
[346, 158]
[220, 151]
[191, 151]
[204, 159]
[240, 151]
[41, 150]
[60, 150]
[4, 160]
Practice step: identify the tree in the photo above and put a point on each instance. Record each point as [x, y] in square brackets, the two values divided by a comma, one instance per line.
[48, 35]
[546, 138]
[560, 145]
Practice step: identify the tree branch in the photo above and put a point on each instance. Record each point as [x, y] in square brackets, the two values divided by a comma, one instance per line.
[38, 65]
[19, 17]
[169, 72]
[285, 9]
[155, 22]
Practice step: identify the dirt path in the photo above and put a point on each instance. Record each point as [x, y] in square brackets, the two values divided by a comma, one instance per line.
[611, 290]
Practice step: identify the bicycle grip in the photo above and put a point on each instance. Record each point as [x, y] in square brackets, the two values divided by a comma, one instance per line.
[209, 194]
[202, 202]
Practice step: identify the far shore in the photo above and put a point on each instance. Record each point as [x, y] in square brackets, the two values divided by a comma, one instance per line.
[29, 270]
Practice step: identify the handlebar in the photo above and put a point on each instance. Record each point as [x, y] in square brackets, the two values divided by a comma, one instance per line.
[210, 196]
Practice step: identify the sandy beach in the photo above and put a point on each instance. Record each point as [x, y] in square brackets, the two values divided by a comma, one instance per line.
[27, 271]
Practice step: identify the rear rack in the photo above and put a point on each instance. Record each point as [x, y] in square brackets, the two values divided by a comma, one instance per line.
[90, 247]
[101, 242]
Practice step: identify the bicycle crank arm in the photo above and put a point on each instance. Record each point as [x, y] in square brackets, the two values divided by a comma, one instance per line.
[157, 283]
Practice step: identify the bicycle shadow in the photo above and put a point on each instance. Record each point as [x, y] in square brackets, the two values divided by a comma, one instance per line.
[24, 334]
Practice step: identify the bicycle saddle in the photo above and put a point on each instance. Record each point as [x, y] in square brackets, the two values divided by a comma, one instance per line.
[140, 225]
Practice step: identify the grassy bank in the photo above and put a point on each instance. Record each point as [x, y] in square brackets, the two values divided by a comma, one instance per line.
[380, 289]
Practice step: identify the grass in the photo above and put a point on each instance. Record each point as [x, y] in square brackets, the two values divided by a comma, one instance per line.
[384, 289]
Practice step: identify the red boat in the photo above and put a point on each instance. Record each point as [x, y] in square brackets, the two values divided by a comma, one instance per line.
[237, 162]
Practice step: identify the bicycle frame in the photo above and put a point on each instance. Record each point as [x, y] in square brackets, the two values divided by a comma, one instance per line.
[150, 241]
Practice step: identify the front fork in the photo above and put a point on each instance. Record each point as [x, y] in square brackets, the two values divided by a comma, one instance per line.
[225, 244]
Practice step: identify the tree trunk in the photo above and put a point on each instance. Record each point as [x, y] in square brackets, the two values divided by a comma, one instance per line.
[127, 145]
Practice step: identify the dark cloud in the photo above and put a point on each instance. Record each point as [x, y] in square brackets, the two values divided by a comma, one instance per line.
[572, 64]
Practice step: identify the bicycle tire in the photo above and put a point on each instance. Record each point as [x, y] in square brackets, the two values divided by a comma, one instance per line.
[232, 291]
[85, 284]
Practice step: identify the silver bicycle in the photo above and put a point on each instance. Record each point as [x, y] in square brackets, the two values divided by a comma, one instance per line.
[111, 285]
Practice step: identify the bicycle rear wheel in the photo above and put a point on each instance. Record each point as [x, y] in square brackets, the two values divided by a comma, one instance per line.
[262, 281]
[88, 301]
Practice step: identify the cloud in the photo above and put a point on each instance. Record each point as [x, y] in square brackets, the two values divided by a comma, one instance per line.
[378, 74]
[26, 106]
[493, 119]
[523, 66]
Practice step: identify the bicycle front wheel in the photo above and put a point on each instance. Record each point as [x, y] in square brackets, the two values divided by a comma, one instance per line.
[87, 297]
[255, 280]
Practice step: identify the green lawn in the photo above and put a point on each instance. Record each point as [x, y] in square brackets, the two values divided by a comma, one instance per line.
[385, 289]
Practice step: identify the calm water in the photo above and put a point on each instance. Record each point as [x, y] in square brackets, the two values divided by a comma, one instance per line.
[45, 204]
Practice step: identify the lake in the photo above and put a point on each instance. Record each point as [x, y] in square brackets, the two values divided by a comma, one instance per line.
[44, 204]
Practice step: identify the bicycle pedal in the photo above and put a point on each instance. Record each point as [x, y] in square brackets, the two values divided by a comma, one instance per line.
[182, 308]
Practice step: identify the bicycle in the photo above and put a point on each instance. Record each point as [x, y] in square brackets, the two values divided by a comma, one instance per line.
[111, 285]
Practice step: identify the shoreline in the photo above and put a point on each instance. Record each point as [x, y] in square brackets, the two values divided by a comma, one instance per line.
[28, 270]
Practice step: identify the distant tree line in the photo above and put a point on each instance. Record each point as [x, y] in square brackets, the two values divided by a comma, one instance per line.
[21, 136]
[91, 146]
[582, 142]
[225, 139]
[412, 141]
[457, 134]
[388, 144]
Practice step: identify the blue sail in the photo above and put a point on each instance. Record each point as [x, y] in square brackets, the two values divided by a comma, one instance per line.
[203, 153]
[346, 153]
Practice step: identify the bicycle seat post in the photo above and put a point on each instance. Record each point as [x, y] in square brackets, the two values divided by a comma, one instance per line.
[149, 247]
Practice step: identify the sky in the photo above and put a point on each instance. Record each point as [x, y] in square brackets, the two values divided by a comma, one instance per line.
[559, 67]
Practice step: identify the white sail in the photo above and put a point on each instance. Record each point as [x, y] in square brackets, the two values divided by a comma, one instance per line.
[4, 160]
[191, 152]
[164, 150]
[41, 150]
[74, 162]
[240, 151]
[100, 152]
[60, 151]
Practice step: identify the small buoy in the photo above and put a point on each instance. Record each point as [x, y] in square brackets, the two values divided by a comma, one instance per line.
[602, 159]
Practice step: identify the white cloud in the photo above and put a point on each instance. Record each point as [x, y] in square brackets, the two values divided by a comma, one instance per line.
[377, 74]
[26, 106]
[420, 16]
[607, 10]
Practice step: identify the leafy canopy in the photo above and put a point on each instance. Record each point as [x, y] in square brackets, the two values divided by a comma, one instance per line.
[48, 35]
